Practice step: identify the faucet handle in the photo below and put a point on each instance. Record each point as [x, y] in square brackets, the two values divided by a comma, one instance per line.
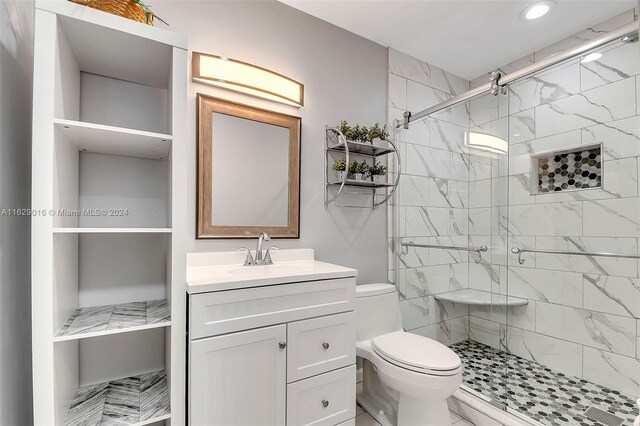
[249, 260]
[267, 256]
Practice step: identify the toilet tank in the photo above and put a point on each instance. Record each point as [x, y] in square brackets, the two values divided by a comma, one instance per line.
[377, 310]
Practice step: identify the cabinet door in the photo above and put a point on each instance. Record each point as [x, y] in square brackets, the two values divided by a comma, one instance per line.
[238, 379]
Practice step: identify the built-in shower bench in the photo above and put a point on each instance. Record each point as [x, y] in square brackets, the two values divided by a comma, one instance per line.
[469, 296]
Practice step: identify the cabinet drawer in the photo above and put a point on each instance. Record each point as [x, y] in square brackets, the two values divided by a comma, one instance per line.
[327, 399]
[232, 310]
[319, 345]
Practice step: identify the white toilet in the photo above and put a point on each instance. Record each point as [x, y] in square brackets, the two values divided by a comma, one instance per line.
[407, 378]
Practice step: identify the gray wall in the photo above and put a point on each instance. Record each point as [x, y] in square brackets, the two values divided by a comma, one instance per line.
[16, 64]
[345, 78]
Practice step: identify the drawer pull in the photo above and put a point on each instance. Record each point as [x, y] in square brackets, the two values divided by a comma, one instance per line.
[282, 345]
[325, 345]
[325, 403]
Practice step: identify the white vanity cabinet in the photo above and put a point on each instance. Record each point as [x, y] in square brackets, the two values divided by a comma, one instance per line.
[239, 378]
[273, 354]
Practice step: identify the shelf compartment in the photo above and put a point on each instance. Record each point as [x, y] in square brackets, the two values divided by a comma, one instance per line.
[112, 140]
[119, 40]
[480, 298]
[361, 148]
[111, 230]
[135, 400]
[113, 319]
[363, 184]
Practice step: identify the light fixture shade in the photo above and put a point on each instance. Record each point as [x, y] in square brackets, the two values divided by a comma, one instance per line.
[486, 142]
[246, 78]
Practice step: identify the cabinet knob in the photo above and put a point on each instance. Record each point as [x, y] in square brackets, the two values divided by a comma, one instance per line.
[282, 345]
[325, 403]
[325, 345]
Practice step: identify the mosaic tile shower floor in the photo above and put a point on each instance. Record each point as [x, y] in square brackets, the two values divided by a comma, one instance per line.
[550, 397]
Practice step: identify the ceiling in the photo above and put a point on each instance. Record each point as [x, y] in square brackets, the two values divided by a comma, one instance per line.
[465, 37]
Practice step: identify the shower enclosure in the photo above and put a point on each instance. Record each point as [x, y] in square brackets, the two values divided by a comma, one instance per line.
[516, 233]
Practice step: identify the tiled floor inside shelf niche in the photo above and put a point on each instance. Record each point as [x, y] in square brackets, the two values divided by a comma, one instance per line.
[119, 402]
[114, 317]
[550, 397]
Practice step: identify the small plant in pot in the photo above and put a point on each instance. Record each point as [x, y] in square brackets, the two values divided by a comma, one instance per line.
[352, 169]
[361, 170]
[340, 167]
[377, 134]
[343, 128]
[357, 170]
[377, 171]
[358, 134]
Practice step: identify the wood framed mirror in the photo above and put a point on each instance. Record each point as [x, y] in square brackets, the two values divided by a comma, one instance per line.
[248, 171]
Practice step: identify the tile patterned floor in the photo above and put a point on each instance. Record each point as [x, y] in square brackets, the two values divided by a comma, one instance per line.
[113, 317]
[550, 397]
[119, 402]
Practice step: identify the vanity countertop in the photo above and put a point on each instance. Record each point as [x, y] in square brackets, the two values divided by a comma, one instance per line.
[219, 271]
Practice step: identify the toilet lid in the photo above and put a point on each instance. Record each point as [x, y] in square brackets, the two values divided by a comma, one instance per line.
[415, 352]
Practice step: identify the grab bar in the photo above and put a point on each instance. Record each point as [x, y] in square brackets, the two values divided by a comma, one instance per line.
[519, 251]
[478, 250]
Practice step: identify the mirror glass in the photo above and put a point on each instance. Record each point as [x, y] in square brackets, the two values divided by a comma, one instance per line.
[248, 171]
[254, 157]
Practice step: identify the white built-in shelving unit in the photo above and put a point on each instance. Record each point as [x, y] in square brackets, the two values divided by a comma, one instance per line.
[108, 229]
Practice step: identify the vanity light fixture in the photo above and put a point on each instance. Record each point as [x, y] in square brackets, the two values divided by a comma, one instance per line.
[591, 57]
[486, 142]
[536, 10]
[246, 78]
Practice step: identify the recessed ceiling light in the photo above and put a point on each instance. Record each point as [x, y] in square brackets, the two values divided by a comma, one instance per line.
[591, 57]
[536, 10]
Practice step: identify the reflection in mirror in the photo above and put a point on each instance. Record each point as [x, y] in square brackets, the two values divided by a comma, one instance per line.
[255, 157]
[248, 171]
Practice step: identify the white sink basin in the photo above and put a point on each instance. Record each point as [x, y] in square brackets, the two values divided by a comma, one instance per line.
[268, 270]
[225, 270]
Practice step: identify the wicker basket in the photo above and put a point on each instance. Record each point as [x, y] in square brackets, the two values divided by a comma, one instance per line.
[125, 8]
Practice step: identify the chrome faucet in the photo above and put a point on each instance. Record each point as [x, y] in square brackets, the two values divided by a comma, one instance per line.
[263, 237]
[259, 259]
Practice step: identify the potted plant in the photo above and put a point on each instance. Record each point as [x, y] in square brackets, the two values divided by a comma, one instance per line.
[352, 169]
[358, 134]
[376, 171]
[358, 170]
[344, 128]
[340, 167]
[377, 134]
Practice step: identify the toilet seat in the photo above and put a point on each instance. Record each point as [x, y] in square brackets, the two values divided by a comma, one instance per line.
[416, 353]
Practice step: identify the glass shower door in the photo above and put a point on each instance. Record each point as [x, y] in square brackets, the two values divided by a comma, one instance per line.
[446, 229]
[487, 142]
[574, 146]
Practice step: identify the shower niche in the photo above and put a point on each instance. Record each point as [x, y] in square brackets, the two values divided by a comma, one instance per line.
[567, 170]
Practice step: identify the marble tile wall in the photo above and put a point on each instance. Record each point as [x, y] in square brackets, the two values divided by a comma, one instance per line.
[432, 202]
[582, 316]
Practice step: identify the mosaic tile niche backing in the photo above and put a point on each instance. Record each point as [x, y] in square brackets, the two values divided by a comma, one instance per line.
[569, 171]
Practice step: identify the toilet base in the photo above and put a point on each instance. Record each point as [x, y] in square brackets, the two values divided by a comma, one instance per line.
[418, 412]
[375, 410]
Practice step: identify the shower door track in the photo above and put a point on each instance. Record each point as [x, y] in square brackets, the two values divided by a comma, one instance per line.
[499, 405]
[626, 30]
